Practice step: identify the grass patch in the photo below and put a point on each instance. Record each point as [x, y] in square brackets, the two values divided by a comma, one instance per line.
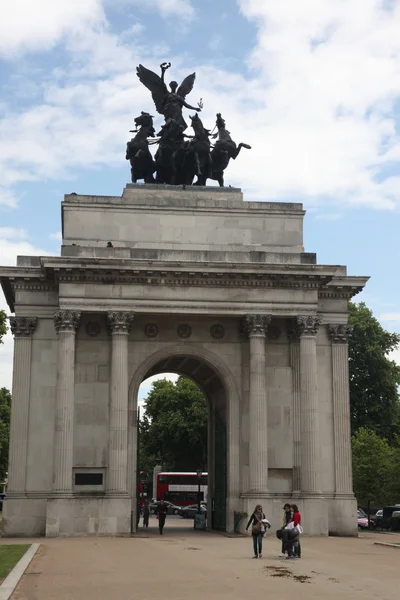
[9, 556]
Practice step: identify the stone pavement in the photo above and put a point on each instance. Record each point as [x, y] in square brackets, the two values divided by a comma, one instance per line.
[188, 565]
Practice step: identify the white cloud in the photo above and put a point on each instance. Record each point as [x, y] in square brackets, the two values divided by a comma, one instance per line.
[56, 236]
[9, 250]
[7, 197]
[12, 232]
[27, 25]
[390, 317]
[181, 9]
[317, 107]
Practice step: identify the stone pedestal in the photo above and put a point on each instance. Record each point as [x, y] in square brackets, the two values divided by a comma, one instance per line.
[88, 516]
[66, 323]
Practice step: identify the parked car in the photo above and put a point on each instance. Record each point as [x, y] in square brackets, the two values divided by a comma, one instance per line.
[173, 509]
[362, 519]
[388, 516]
[376, 519]
[188, 512]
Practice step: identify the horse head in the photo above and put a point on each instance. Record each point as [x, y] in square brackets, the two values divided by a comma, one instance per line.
[200, 131]
[145, 121]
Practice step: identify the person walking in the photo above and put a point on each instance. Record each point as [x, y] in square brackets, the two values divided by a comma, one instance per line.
[146, 514]
[297, 525]
[286, 518]
[259, 525]
[161, 515]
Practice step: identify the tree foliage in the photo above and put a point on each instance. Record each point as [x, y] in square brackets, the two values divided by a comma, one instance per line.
[374, 378]
[375, 469]
[3, 325]
[174, 427]
[5, 411]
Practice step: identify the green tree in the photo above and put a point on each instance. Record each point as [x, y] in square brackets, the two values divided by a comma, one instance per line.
[5, 411]
[174, 427]
[374, 378]
[375, 469]
[3, 325]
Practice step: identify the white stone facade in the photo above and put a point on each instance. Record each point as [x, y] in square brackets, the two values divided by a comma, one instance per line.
[201, 283]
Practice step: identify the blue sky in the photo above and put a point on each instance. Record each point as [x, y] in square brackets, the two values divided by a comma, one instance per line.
[313, 86]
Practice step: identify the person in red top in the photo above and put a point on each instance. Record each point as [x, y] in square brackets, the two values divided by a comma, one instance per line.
[297, 521]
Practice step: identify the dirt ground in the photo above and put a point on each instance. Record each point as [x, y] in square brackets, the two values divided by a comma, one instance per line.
[188, 565]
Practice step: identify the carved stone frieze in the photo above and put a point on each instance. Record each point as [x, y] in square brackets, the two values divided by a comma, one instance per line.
[93, 328]
[217, 331]
[340, 333]
[184, 331]
[66, 320]
[256, 324]
[308, 325]
[22, 326]
[151, 330]
[120, 321]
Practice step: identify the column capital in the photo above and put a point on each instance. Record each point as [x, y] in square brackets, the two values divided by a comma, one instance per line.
[340, 333]
[120, 321]
[308, 325]
[66, 320]
[22, 326]
[256, 324]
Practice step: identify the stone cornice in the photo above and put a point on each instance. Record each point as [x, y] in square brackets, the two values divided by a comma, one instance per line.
[22, 326]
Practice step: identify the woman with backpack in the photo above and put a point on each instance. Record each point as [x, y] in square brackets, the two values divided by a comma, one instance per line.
[259, 525]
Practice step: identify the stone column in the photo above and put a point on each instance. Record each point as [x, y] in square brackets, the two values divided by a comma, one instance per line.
[296, 412]
[310, 448]
[22, 328]
[341, 408]
[120, 324]
[66, 323]
[256, 327]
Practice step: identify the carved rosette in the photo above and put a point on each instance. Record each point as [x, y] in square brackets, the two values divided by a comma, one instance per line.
[256, 324]
[120, 322]
[308, 325]
[66, 320]
[340, 333]
[22, 326]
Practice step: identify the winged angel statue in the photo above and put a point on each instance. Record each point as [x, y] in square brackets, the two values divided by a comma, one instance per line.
[168, 103]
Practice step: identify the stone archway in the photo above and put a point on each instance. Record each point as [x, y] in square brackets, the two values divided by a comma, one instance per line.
[214, 378]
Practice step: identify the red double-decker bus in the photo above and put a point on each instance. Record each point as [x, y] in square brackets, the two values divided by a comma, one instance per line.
[181, 488]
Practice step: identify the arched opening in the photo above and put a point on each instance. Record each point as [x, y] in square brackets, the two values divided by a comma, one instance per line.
[205, 372]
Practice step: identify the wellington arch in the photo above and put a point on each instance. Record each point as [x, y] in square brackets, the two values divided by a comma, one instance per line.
[198, 282]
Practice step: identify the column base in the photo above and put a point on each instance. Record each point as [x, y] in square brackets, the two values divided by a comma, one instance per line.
[82, 516]
[23, 517]
[343, 515]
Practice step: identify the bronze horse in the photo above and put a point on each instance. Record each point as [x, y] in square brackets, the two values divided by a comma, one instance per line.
[137, 150]
[224, 149]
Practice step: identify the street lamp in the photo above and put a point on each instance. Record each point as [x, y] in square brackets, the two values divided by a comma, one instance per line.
[199, 474]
